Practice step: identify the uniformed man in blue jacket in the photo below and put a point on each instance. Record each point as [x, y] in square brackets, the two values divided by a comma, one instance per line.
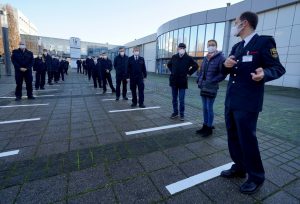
[251, 63]
[136, 73]
[23, 60]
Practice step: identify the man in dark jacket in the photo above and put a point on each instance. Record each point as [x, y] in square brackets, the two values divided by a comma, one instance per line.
[252, 62]
[180, 66]
[106, 67]
[66, 66]
[89, 66]
[96, 73]
[61, 71]
[48, 62]
[84, 67]
[22, 60]
[136, 73]
[120, 65]
[40, 72]
[55, 67]
[79, 62]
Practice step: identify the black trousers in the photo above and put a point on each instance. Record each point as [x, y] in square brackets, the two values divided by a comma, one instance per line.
[50, 76]
[56, 76]
[107, 78]
[97, 78]
[62, 74]
[79, 69]
[89, 73]
[120, 81]
[19, 77]
[242, 143]
[137, 83]
[40, 77]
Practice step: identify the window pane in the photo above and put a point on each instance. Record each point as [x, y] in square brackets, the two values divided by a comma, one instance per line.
[175, 43]
[210, 30]
[170, 51]
[180, 36]
[167, 45]
[159, 46]
[219, 35]
[200, 41]
[163, 46]
[186, 40]
[193, 40]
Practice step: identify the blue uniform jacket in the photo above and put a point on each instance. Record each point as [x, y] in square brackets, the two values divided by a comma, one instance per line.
[243, 93]
[22, 59]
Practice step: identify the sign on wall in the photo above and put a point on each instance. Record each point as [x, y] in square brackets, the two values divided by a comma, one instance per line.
[75, 51]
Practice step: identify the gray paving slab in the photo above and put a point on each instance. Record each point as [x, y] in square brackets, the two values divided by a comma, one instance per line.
[8, 195]
[125, 169]
[281, 197]
[102, 196]
[293, 188]
[179, 154]
[154, 161]
[192, 196]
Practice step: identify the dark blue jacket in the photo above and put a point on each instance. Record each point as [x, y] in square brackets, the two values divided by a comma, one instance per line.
[211, 70]
[106, 64]
[55, 65]
[62, 65]
[243, 93]
[90, 64]
[120, 65]
[48, 62]
[39, 65]
[136, 69]
[22, 59]
[180, 67]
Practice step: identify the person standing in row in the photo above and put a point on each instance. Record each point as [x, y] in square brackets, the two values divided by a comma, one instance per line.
[55, 67]
[180, 65]
[61, 70]
[40, 69]
[120, 65]
[136, 73]
[48, 62]
[208, 81]
[89, 65]
[79, 63]
[96, 73]
[252, 62]
[23, 60]
[66, 66]
[106, 67]
[84, 67]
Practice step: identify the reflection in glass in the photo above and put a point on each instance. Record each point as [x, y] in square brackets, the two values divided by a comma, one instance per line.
[210, 30]
[163, 45]
[175, 42]
[219, 34]
[186, 40]
[193, 41]
[171, 39]
[200, 40]
[167, 45]
[180, 36]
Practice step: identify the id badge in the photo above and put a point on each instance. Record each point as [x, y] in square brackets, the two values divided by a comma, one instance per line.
[247, 58]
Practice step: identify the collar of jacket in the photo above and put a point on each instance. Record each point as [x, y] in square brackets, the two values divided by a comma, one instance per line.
[215, 55]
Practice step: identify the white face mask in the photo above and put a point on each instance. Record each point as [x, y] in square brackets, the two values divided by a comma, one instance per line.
[45, 53]
[136, 53]
[122, 53]
[22, 46]
[235, 30]
[181, 51]
[211, 49]
[104, 57]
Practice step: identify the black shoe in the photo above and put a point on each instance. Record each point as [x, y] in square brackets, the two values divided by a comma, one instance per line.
[113, 91]
[250, 187]
[174, 115]
[207, 132]
[31, 97]
[125, 98]
[142, 106]
[117, 98]
[95, 87]
[202, 129]
[42, 88]
[182, 118]
[103, 92]
[231, 173]
[18, 99]
[50, 83]
[133, 105]
[36, 88]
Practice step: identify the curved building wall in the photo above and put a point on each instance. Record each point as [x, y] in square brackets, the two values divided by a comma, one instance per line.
[279, 18]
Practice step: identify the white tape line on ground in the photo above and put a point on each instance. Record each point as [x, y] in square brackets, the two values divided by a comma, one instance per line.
[28, 105]
[113, 99]
[44, 90]
[18, 121]
[133, 109]
[104, 93]
[158, 128]
[9, 153]
[197, 179]
[39, 96]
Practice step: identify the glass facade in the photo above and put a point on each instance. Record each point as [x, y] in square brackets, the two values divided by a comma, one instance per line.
[195, 38]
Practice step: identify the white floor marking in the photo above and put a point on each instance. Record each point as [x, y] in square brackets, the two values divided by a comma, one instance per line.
[197, 179]
[39, 96]
[133, 109]
[103, 93]
[46, 90]
[13, 106]
[113, 99]
[158, 128]
[18, 121]
[9, 153]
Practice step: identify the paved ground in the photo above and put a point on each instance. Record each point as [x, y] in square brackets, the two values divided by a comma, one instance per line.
[78, 152]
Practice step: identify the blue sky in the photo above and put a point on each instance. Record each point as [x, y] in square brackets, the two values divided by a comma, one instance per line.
[112, 21]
